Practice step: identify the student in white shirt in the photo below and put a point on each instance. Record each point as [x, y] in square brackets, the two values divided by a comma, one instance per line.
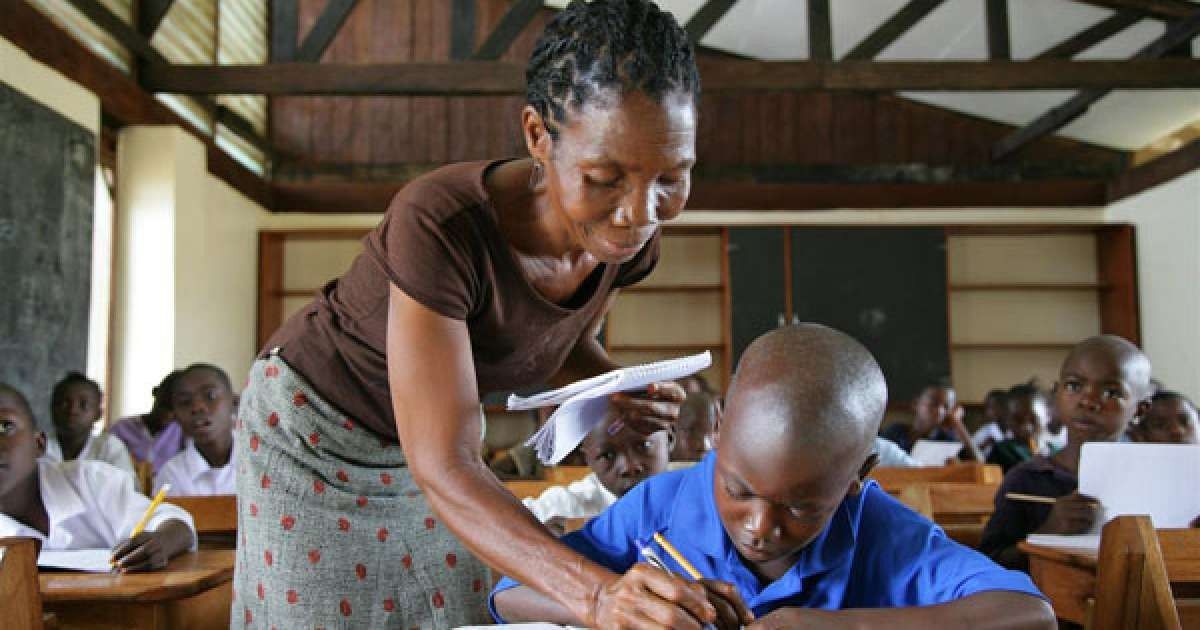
[203, 401]
[75, 406]
[619, 457]
[81, 504]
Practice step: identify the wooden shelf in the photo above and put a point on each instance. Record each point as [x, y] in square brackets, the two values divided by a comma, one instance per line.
[716, 347]
[1029, 286]
[1011, 346]
[682, 288]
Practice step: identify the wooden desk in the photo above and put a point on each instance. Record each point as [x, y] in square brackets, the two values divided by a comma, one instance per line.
[1066, 576]
[194, 591]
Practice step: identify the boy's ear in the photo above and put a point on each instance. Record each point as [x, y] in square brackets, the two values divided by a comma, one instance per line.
[39, 439]
[869, 464]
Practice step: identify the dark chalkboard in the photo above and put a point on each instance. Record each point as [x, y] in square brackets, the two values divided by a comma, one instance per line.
[47, 188]
[885, 287]
[756, 279]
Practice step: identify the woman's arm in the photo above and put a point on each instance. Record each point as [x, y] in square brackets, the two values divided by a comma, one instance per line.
[432, 380]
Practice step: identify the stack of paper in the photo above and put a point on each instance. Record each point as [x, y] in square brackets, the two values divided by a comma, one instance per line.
[89, 560]
[582, 404]
[934, 452]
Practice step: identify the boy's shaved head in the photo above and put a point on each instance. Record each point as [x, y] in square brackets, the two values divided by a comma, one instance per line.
[807, 388]
[11, 393]
[1133, 363]
[796, 439]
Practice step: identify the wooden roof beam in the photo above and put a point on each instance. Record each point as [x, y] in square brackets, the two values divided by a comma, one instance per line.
[891, 30]
[326, 28]
[1157, 9]
[705, 18]
[120, 97]
[150, 14]
[518, 16]
[502, 78]
[1092, 35]
[1059, 117]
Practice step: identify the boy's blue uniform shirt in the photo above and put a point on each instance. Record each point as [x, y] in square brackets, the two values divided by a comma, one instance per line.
[874, 553]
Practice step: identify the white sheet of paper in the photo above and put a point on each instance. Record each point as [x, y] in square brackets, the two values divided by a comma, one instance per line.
[1083, 542]
[87, 560]
[582, 404]
[935, 452]
[1155, 479]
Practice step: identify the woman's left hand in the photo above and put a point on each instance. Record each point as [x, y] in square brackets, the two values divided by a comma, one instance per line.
[656, 410]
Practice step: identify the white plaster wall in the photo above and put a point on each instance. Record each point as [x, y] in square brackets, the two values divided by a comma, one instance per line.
[1167, 218]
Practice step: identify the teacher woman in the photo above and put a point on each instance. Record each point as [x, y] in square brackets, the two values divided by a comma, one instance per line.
[363, 500]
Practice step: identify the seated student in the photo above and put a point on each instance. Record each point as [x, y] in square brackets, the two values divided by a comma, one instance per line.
[694, 428]
[782, 517]
[1103, 384]
[81, 504]
[1171, 419]
[1028, 413]
[619, 457]
[995, 425]
[936, 416]
[153, 437]
[203, 402]
[75, 406]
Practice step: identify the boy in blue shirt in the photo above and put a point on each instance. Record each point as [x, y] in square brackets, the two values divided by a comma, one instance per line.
[782, 521]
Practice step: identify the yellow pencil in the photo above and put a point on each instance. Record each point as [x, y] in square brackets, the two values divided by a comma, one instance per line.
[141, 524]
[687, 566]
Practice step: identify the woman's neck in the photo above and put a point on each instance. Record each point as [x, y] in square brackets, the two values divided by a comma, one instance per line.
[526, 216]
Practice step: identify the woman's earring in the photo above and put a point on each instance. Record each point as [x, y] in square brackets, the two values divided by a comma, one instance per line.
[537, 176]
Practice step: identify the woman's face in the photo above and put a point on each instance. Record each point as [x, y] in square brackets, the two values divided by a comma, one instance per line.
[619, 166]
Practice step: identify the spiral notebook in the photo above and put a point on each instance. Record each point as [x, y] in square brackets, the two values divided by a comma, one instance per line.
[582, 404]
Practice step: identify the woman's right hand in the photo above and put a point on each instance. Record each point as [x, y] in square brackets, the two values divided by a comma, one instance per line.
[1072, 514]
[646, 597]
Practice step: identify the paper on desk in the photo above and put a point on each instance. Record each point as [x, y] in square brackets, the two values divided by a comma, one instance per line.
[1155, 479]
[1082, 542]
[935, 452]
[87, 560]
[582, 404]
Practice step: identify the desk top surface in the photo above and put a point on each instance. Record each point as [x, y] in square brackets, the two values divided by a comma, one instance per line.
[1073, 557]
[186, 575]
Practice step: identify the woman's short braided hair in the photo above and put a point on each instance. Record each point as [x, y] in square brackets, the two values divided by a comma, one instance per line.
[630, 45]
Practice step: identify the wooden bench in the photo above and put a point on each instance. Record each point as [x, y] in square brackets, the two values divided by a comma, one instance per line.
[215, 518]
[1138, 572]
[962, 509]
[894, 479]
[20, 600]
[1140, 579]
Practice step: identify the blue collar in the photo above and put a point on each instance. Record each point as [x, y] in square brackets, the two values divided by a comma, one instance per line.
[694, 518]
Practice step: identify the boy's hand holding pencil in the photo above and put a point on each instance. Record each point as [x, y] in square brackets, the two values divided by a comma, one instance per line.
[150, 551]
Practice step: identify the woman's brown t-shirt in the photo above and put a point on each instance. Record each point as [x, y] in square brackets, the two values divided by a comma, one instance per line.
[440, 242]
